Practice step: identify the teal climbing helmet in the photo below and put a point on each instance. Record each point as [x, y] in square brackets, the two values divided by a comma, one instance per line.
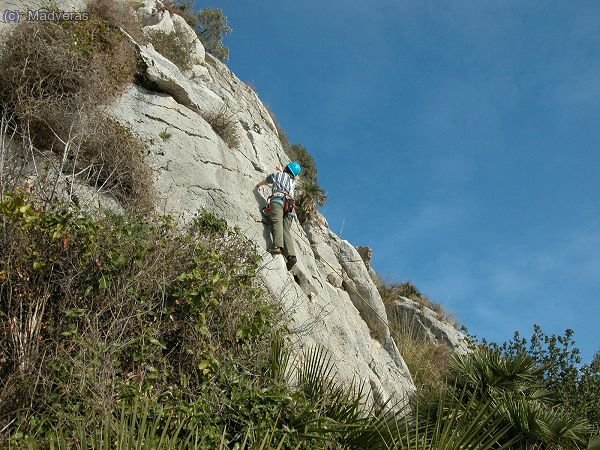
[295, 168]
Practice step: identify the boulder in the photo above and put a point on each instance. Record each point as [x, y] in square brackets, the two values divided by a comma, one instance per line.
[164, 22]
[425, 324]
[148, 12]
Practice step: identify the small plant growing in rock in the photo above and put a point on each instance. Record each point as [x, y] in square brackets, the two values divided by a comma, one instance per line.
[165, 135]
[223, 122]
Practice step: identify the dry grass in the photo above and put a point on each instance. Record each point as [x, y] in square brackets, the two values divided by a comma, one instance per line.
[70, 66]
[223, 122]
[283, 138]
[53, 78]
[428, 362]
[120, 14]
[114, 158]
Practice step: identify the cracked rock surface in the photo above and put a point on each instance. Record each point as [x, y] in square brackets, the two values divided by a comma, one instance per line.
[329, 294]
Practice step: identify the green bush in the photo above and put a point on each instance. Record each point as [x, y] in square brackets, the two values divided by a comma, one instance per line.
[515, 388]
[309, 196]
[173, 47]
[212, 27]
[574, 385]
[132, 332]
[210, 24]
[96, 311]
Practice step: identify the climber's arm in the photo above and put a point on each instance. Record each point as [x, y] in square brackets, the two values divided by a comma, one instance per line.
[261, 183]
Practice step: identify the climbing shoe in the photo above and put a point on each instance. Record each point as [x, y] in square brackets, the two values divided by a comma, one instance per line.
[275, 251]
[291, 262]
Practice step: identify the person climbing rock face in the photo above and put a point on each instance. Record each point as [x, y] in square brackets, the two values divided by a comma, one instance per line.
[281, 209]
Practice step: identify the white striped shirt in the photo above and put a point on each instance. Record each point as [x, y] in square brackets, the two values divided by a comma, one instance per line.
[281, 182]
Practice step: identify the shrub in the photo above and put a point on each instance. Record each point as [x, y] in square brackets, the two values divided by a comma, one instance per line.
[120, 14]
[54, 76]
[211, 27]
[223, 122]
[98, 311]
[173, 47]
[113, 160]
[576, 386]
[68, 67]
[309, 196]
[514, 386]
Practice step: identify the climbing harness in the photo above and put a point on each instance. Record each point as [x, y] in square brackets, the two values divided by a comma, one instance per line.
[281, 198]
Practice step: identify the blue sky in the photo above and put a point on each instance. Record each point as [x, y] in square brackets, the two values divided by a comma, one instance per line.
[458, 139]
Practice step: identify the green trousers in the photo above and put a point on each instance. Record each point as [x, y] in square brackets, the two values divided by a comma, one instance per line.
[281, 229]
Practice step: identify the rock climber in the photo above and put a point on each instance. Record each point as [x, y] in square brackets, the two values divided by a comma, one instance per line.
[281, 210]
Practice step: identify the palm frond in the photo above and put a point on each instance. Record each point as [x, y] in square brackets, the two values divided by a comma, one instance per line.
[594, 443]
[462, 421]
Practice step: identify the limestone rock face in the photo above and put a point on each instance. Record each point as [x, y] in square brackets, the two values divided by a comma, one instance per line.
[329, 295]
[163, 22]
[424, 322]
[366, 254]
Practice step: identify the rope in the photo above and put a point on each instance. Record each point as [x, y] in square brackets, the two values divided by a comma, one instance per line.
[393, 332]
[381, 319]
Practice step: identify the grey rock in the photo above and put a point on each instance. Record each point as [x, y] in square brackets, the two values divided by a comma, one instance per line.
[149, 13]
[164, 24]
[366, 253]
[329, 295]
[424, 323]
[195, 169]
